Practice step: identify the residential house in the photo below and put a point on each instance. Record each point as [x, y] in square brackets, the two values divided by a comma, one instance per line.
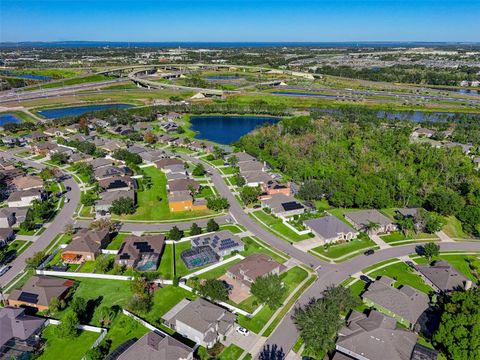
[38, 136]
[99, 163]
[6, 165]
[273, 187]
[64, 150]
[43, 148]
[27, 182]
[173, 116]
[183, 185]
[142, 127]
[105, 172]
[371, 221]
[256, 178]
[117, 183]
[405, 304]
[86, 245]
[19, 214]
[169, 126]
[176, 175]
[7, 218]
[183, 201]
[6, 235]
[80, 157]
[244, 157]
[374, 337]
[107, 198]
[245, 272]
[152, 156]
[112, 145]
[19, 334]
[141, 253]
[422, 132]
[9, 141]
[175, 168]
[200, 321]
[25, 198]
[443, 277]
[157, 346]
[162, 163]
[283, 205]
[121, 129]
[222, 242]
[39, 291]
[54, 132]
[73, 128]
[329, 229]
[135, 149]
[476, 161]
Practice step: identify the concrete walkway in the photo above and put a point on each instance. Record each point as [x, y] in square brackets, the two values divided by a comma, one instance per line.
[378, 240]
[444, 237]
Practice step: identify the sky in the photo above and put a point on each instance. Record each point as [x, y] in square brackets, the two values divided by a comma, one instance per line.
[240, 21]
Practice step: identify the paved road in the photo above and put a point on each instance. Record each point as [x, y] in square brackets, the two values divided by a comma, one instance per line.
[56, 226]
[286, 333]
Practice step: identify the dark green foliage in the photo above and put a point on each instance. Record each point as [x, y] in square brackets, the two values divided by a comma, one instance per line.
[198, 170]
[217, 203]
[445, 201]
[214, 290]
[127, 156]
[122, 206]
[35, 261]
[459, 330]
[195, 229]
[249, 194]
[59, 159]
[175, 233]
[212, 226]
[430, 250]
[88, 198]
[470, 218]
[269, 290]
[68, 326]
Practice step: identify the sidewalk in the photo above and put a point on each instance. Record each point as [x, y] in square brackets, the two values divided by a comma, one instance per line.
[444, 237]
[378, 240]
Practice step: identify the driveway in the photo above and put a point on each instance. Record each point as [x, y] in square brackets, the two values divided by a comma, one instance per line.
[238, 292]
[244, 341]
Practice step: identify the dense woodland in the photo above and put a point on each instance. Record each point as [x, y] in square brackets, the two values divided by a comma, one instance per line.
[405, 74]
[354, 160]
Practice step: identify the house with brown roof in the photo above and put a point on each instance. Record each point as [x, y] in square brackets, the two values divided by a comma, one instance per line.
[27, 182]
[141, 253]
[54, 132]
[248, 270]
[86, 245]
[362, 219]
[162, 163]
[107, 198]
[117, 183]
[157, 346]
[183, 185]
[43, 148]
[19, 333]
[183, 201]
[39, 291]
[25, 198]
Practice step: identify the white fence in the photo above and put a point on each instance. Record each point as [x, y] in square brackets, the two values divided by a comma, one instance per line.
[83, 275]
[143, 322]
[211, 267]
[109, 252]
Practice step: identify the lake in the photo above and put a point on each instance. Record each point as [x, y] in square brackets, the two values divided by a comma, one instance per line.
[460, 91]
[27, 76]
[227, 129]
[9, 118]
[79, 110]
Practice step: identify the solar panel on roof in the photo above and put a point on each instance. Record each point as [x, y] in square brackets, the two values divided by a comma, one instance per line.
[28, 297]
[292, 205]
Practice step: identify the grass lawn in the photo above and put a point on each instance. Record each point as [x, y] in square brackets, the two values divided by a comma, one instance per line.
[399, 236]
[86, 212]
[56, 347]
[117, 241]
[231, 352]
[459, 262]
[19, 246]
[453, 228]
[403, 275]
[153, 202]
[234, 229]
[278, 227]
[123, 328]
[166, 267]
[253, 247]
[228, 170]
[72, 81]
[292, 278]
[335, 251]
[180, 267]
[358, 287]
[38, 157]
[374, 266]
[212, 274]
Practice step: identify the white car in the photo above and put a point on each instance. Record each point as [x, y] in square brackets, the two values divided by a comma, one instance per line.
[243, 331]
[4, 269]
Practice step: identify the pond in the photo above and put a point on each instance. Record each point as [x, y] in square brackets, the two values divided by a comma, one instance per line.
[27, 76]
[227, 129]
[9, 118]
[79, 110]
[460, 91]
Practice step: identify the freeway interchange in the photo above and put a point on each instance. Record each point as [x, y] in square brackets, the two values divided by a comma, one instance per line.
[328, 274]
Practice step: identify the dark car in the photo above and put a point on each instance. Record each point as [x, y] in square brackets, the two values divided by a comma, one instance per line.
[411, 264]
[369, 252]
[365, 278]
[69, 188]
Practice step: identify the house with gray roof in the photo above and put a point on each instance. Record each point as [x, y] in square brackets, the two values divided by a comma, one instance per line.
[442, 276]
[363, 218]
[374, 337]
[19, 333]
[151, 156]
[141, 253]
[156, 346]
[200, 321]
[109, 171]
[283, 205]
[99, 163]
[108, 197]
[405, 304]
[222, 242]
[330, 229]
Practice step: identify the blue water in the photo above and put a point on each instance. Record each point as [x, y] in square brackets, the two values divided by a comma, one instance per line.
[9, 118]
[27, 76]
[222, 77]
[149, 265]
[460, 91]
[227, 129]
[79, 110]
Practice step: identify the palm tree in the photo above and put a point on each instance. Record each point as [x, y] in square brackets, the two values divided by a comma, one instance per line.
[371, 226]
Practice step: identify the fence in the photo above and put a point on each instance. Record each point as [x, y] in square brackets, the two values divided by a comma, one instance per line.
[143, 322]
[83, 275]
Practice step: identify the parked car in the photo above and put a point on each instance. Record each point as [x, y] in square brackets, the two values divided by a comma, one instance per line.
[4, 269]
[369, 252]
[365, 278]
[69, 188]
[243, 331]
[410, 263]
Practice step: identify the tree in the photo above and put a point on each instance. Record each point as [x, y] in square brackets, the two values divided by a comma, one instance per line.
[430, 250]
[195, 229]
[457, 334]
[175, 233]
[212, 226]
[58, 158]
[429, 221]
[269, 290]
[233, 160]
[127, 156]
[78, 306]
[250, 194]
[107, 314]
[29, 223]
[47, 174]
[470, 218]
[56, 305]
[445, 201]
[2, 296]
[217, 203]
[35, 261]
[105, 264]
[68, 326]
[68, 229]
[122, 205]
[102, 224]
[198, 170]
[405, 223]
[214, 290]
[150, 138]
[240, 180]
[218, 152]
[370, 227]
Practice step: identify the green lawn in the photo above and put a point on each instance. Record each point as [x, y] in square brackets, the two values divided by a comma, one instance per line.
[335, 251]
[231, 352]
[453, 228]
[399, 236]
[374, 266]
[117, 241]
[253, 247]
[278, 227]
[19, 246]
[123, 328]
[403, 275]
[166, 263]
[292, 278]
[228, 170]
[217, 162]
[460, 262]
[153, 202]
[56, 347]
[358, 287]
